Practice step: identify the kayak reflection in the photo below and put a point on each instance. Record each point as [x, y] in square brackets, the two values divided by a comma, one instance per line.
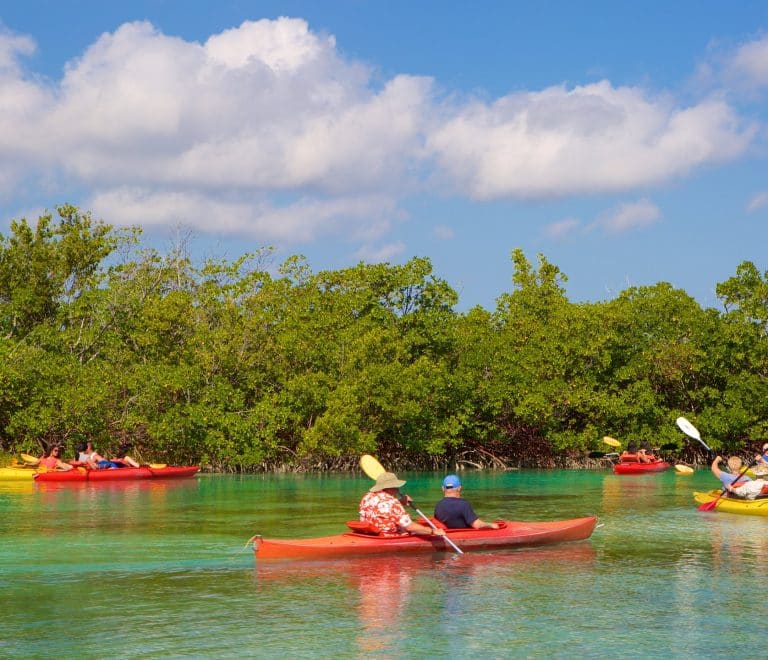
[388, 591]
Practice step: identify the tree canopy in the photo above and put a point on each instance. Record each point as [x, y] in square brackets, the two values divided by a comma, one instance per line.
[244, 366]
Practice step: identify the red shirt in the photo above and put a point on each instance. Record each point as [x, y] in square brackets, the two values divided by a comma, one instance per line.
[383, 511]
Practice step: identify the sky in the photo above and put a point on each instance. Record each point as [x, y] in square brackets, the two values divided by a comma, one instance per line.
[627, 142]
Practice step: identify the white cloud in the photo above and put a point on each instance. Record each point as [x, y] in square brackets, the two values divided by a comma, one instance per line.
[380, 254]
[590, 139]
[443, 233]
[758, 202]
[749, 63]
[300, 221]
[628, 217]
[266, 130]
[562, 229]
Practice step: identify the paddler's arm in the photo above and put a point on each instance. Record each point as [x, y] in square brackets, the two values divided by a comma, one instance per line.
[417, 528]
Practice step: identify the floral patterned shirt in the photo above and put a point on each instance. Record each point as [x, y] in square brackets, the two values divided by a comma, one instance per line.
[384, 512]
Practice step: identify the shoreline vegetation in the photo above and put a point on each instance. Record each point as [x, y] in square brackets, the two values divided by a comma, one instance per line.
[248, 366]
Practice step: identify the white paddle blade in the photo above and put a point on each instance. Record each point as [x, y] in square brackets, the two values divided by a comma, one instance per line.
[689, 429]
[683, 469]
[371, 466]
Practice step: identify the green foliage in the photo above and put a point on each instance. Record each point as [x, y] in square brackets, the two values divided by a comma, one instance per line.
[242, 366]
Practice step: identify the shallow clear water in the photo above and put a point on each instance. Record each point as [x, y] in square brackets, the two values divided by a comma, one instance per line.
[161, 569]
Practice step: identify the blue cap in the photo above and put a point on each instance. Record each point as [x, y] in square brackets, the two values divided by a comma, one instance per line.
[451, 481]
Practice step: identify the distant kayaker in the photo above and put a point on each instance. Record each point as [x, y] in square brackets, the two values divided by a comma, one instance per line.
[123, 458]
[383, 508]
[455, 512]
[644, 454]
[90, 457]
[761, 460]
[629, 455]
[53, 460]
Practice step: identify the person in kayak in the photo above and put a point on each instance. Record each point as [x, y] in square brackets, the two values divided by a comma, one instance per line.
[89, 457]
[383, 508]
[737, 484]
[645, 454]
[455, 512]
[629, 455]
[761, 460]
[53, 460]
[122, 457]
[733, 473]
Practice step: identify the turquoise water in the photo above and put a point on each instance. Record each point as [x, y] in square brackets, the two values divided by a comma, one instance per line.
[161, 569]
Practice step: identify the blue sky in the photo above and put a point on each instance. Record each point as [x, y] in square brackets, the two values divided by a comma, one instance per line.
[624, 141]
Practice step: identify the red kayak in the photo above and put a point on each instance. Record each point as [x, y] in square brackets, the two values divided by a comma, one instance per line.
[510, 534]
[635, 467]
[119, 474]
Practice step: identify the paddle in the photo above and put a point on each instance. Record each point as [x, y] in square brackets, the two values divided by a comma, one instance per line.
[374, 470]
[613, 442]
[708, 506]
[691, 431]
[600, 454]
[30, 460]
[683, 469]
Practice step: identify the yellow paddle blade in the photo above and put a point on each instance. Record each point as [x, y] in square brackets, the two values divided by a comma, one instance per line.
[30, 460]
[158, 466]
[371, 466]
[683, 469]
[613, 442]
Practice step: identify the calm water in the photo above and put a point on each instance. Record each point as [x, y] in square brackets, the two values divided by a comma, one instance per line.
[159, 569]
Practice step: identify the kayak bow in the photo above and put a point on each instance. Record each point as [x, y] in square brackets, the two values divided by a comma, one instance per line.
[757, 507]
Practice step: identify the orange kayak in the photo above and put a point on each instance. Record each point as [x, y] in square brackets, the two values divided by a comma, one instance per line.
[510, 534]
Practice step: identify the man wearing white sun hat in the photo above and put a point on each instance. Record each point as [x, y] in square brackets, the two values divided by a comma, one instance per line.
[382, 508]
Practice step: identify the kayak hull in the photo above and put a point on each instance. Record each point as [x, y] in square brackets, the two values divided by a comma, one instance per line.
[640, 468]
[512, 534]
[758, 507]
[118, 474]
[17, 474]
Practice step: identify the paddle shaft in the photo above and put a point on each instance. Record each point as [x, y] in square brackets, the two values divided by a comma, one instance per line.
[432, 525]
[374, 469]
[709, 506]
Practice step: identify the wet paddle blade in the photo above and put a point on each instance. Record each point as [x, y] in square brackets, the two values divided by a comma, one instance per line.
[30, 460]
[683, 469]
[613, 442]
[371, 466]
[708, 506]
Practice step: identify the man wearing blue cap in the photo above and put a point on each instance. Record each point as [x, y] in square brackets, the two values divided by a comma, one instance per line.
[455, 512]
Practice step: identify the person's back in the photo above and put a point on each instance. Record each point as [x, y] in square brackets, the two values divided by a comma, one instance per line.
[629, 455]
[455, 512]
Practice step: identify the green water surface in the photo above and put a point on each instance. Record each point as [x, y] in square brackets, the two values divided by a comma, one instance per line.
[162, 569]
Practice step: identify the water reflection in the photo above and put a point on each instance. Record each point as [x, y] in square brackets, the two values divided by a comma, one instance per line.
[391, 594]
[640, 491]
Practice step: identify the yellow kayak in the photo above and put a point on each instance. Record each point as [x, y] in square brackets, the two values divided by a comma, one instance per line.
[758, 507]
[17, 473]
